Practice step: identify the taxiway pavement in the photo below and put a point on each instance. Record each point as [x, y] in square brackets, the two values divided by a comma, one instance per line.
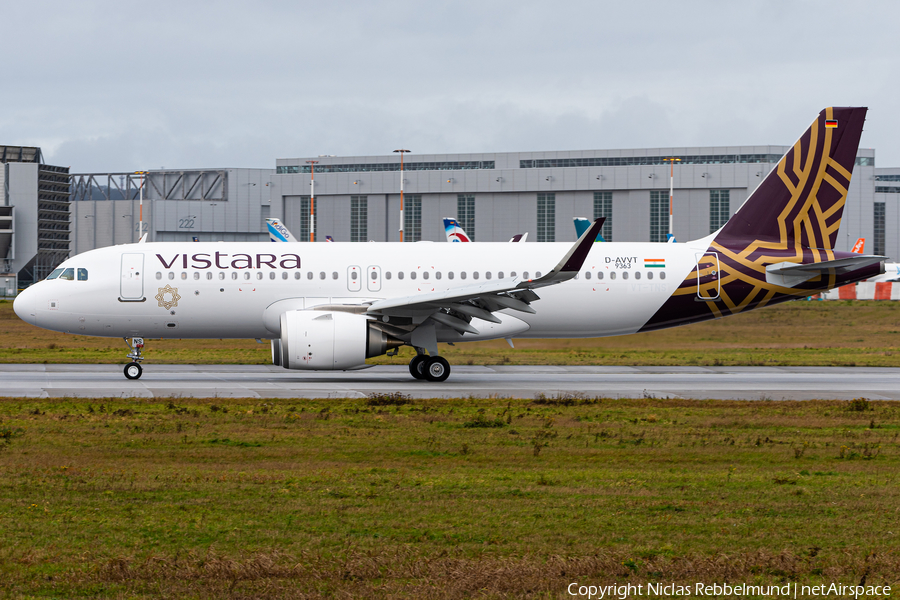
[259, 381]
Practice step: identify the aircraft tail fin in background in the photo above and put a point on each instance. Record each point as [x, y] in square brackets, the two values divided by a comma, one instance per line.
[582, 224]
[859, 247]
[278, 232]
[519, 237]
[798, 206]
[454, 232]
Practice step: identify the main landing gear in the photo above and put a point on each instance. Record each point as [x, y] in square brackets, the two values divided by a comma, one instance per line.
[133, 369]
[429, 368]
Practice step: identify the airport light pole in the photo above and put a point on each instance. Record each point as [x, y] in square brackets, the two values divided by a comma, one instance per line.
[671, 160]
[402, 152]
[312, 199]
[141, 204]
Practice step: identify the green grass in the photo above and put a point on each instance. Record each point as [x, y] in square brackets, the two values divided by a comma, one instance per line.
[843, 333]
[407, 498]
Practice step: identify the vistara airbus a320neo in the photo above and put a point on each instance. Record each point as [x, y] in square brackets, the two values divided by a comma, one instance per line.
[331, 306]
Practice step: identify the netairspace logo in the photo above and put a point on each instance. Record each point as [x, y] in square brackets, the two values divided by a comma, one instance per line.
[790, 590]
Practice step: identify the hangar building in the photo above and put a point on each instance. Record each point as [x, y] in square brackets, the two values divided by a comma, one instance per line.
[47, 213]
[34, 217]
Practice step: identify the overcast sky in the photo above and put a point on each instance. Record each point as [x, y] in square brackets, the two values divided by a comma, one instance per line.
[123, 86]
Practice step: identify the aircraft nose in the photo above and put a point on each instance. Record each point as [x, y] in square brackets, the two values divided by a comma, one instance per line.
[25, 305]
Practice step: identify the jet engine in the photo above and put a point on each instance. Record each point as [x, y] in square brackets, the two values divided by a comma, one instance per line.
[326, 340]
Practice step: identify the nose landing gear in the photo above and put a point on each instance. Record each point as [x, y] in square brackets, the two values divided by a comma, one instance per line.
[133, 369]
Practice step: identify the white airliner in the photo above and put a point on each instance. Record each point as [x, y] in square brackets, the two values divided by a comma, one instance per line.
[330, 306]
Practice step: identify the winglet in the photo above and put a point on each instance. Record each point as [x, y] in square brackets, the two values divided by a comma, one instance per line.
[571, 263]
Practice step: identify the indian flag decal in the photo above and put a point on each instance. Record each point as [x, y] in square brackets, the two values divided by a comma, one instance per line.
[830, 123]
[654, 263]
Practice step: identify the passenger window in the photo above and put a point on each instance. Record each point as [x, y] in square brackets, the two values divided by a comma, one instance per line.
[158, 275]
[321, 274]
[387, 275]
[524, 274]
[309, 275]
[334, 275]
[624, 274]
[183, 275]
[662, 275]
[474, 274]
[246, 275]
[462, 275]
[284, 275]
[259, 274]
[537, 275]
[587, 274]
[55, 273]
[399, 274]
[221, 275]
[353, 275]
[487, 275]
[512, 273]
[450, 275]
[171, 274]
[196, 274]
[437, 275]
[296, 275]
[374, 275]
[649, 274]
[425, 275]
[68, 274]
[234, 274]
[412, 274]
[612, 275]
[209, 275]
[637, 274]
[600, 275]
[500, 275]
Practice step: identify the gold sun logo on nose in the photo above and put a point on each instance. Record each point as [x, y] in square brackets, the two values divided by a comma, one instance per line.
[172, 299]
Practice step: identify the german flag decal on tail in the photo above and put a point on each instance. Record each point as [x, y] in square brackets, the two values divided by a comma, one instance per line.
[831, 124]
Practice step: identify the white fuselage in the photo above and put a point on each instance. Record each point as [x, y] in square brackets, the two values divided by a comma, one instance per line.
[227, 290]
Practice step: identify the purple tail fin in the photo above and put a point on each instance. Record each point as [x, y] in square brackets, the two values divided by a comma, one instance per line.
[799, 205]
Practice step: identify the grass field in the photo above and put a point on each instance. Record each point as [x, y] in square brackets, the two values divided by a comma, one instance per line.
[486, 498]
[845, 333]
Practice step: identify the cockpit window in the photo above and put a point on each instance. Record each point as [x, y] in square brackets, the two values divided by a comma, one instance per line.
[82, 274]
[68, 274]
[54, 274]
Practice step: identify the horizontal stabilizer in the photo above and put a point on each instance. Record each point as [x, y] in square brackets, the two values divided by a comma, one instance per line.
[788, 274]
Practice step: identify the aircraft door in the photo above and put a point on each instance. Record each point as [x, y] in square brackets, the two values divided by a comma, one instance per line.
[373, 279]
[708, 276]
[354, 278]
[131, 286]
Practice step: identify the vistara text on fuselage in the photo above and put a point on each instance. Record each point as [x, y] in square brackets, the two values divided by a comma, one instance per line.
[331, 306]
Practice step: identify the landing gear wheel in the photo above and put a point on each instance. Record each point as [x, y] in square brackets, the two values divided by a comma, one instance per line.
[133, 370]
[417, 366]
[437, 369]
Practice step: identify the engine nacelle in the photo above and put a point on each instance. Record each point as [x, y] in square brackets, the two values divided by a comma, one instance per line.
[326, 340]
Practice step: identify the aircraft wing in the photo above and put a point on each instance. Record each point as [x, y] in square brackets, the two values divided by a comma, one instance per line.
[789, 274]
[455, 308]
